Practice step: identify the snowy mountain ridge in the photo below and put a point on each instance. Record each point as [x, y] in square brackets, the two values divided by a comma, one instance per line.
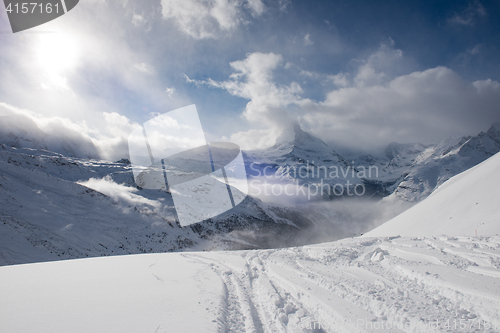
[58, 207]
[427, 283]
[405, 172]
[437, 163]
[410, 172]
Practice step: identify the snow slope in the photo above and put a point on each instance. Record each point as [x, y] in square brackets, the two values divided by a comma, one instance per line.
[354, 285]
[465, 204]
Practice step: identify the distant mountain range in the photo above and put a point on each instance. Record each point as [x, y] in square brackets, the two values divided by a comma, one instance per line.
[59, 207]
[60, 201]
[407, 172]
[417, 170]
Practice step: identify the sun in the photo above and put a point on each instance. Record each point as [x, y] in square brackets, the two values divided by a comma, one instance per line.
[56, 53]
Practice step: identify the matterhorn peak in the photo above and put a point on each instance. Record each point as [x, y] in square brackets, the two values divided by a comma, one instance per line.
[294, 136]
[294, 144]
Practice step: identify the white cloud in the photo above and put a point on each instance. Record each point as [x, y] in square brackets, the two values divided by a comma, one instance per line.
[170, 92]
[466, 57]
[111, 135]
[365, 103]
[84, 66]
[108, 133]
[54, 82]
[340, 80]
[144, 68]
[119, 192]
[486, 87]
[257, 7]
[422, 106]
[253, 80]
[30, 130]
[283, 4]
[379, 66]
[377, 108]
[88, 70]
[208, 18]
[256, 138]
[469, 16]
[138, 20]
[307, 40]
[476, 49]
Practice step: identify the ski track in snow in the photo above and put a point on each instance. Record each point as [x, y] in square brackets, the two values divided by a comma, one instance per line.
[431, 284]
[439, 284]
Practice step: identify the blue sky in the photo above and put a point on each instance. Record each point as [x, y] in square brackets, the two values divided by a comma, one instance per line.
[358, 74]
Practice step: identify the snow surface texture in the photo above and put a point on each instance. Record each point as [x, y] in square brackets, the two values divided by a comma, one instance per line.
[426, 284]
[466, 205]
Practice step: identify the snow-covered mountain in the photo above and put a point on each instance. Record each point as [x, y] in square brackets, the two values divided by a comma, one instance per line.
[302, 159]
[465, 205]
[410, 172]
[364, 284]
[58, 207]
[438, 163]
[444, 279]
[20, 131]
[294, 148]
[402, 172]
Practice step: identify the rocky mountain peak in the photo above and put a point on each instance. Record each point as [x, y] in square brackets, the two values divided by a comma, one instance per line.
[294, 137]
[494, 131]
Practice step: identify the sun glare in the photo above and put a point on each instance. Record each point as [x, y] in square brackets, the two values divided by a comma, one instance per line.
[56, 53]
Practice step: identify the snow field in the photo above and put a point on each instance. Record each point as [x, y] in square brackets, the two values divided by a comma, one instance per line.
[440, 284]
